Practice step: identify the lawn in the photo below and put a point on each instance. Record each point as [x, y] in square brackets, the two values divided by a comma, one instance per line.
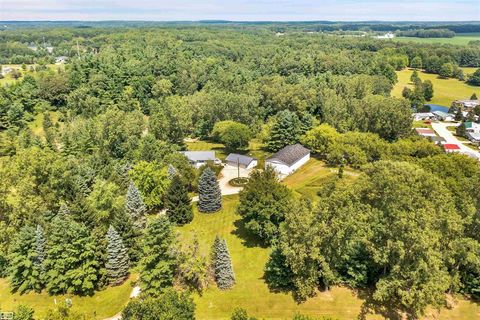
[10, 80]
[460, 39]
[445, 91]
[103, 304]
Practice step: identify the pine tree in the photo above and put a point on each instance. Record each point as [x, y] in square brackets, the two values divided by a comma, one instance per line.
[63, 210]
[285, 131]
[118, 262]
[135, 207]
[209, 194]
[222, 265]
[473, 96]
[24, 275]
[177, 202]
[40, 254]
[158, 264]
[72, 263]
[123, 224]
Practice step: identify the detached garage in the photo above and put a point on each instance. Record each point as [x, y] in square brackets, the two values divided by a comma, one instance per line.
[288, 159]
[242, 161]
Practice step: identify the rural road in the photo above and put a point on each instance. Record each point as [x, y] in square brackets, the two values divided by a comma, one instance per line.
[442, 130]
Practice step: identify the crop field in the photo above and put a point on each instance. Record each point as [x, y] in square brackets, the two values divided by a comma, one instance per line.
[460, 39]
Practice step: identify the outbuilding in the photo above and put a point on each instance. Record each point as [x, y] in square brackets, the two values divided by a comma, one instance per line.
[242, 161]
[199, 158]
[451, 147]
[443, 116]
[288, 159]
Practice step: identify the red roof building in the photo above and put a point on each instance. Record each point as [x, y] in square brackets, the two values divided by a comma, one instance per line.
[451, 147]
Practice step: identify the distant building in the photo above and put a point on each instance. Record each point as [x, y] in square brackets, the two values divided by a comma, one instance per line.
[472, 127]
[466, 105]
[242, 161]
[61, 60]
[451, 147]
[388, 35]
[473, 137]
[425, 132]
[288, 159]
[437, 140]
[443, 116]
[199, 158]
[421, 116]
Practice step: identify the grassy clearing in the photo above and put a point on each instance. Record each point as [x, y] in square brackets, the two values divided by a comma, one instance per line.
[103, 304]
[8, 79]
[460, 39]
[445, 91]
[36, 125]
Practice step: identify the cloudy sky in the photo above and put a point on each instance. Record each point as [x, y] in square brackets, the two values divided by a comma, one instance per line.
[350, 10]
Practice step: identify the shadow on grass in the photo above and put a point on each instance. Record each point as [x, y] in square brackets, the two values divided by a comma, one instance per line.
[248, 240]
[370, 306]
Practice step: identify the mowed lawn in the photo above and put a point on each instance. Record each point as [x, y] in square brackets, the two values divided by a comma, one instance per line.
[445, 91]
[103, 304]
[8, 79]
[460, 39]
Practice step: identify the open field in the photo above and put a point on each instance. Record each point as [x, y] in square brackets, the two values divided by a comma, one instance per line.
[444, 90]
[8, 79]
[103, 304]
[459, 39]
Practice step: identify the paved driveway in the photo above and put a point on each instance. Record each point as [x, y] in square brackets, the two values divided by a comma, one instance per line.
[441, 129]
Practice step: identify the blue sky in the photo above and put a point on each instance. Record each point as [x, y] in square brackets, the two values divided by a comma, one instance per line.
[394, 10]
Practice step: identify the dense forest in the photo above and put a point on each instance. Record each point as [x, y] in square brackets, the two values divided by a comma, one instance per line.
[77, 197]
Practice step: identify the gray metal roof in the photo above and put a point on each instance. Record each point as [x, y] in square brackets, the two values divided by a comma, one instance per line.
[290, 154]
[238, 158]
[196, 156]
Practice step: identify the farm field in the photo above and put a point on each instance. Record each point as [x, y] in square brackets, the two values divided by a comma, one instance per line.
[460, 39]
[249, 258]
[444, 90]
[103, 304]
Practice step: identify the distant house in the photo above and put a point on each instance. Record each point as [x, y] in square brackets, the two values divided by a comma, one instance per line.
[421, 116]
[5, 70]
[242, 161]
[474, 137]
[451, 147]
[472, 127]
[437, 139]
[466, 105]
[388, 35]
[288, 159]
[61, 60]
[199, 158]
[443, 116]
[425, 132]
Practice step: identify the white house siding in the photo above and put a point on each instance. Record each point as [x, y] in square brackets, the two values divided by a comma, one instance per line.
[284, 169]
[251, 165]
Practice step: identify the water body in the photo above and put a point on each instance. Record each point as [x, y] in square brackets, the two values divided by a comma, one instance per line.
[436, 107]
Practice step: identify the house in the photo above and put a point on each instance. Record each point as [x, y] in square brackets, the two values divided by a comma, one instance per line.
[425, 132]
[472, 127]
[437, 139]
[421, 116]
[466, 105]
[288, 159]
[61, 60]
[443, 116]
[388, 35]
[242, 161]
[474, 137]
[451, 147]
[6, 70]
[199, 158]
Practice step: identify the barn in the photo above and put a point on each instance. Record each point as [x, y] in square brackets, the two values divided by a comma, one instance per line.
[288, 159]
[242, 161]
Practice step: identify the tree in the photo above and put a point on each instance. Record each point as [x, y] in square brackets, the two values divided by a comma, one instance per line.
[414, 78]
[135, 207]
[209, 194]
[473, 96]
[474, 79]
[24, 270]
[118, 262]
[72, 263]
[222, 265]
[428, 90]
[232, 134]
[241, 314]
[320, 139]
[24, 313]
[193, 267]
[170, 305]
[461, 130]
[158, 263]
[264, 201]
[177, 202]
[446, 71]
[285, 131]
[40, 254]
[152, 181]
[416, 62]
[459, 115]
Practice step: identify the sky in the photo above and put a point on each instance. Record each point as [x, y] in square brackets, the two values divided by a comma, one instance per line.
[241, 10]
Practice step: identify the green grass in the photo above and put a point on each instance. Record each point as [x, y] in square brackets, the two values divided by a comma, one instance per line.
[8, 79]
[445, 91]
[36, 124]
[103, 304]
[460, 39]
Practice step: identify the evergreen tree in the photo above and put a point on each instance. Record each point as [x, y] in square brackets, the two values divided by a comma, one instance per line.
[461, 130]
[285, 131]
[158, 264]
[40, 254]
[415, 78]
[135, 207]
[24, 313]
[117, 258]
[474, 96]
[72, 264]
[177, 202]
[123, 224]
[209, 194]
[459, 115]
[63, 210]
[23, 270]
[428, 90]
[222, 265]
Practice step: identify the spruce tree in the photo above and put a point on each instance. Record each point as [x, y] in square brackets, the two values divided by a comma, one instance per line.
[135, 207]
[222, 265]
[23, 272]
[40, 254]
[158, 264]
[209, 194]
[123, 224]
[118, 262]
[177, 202]
[286, 130]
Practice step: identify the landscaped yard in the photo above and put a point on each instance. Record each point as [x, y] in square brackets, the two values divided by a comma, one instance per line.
[103, 304]
[8, 79]
[444, 90]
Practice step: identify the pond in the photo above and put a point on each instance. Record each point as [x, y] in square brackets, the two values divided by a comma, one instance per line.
[436, 107]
